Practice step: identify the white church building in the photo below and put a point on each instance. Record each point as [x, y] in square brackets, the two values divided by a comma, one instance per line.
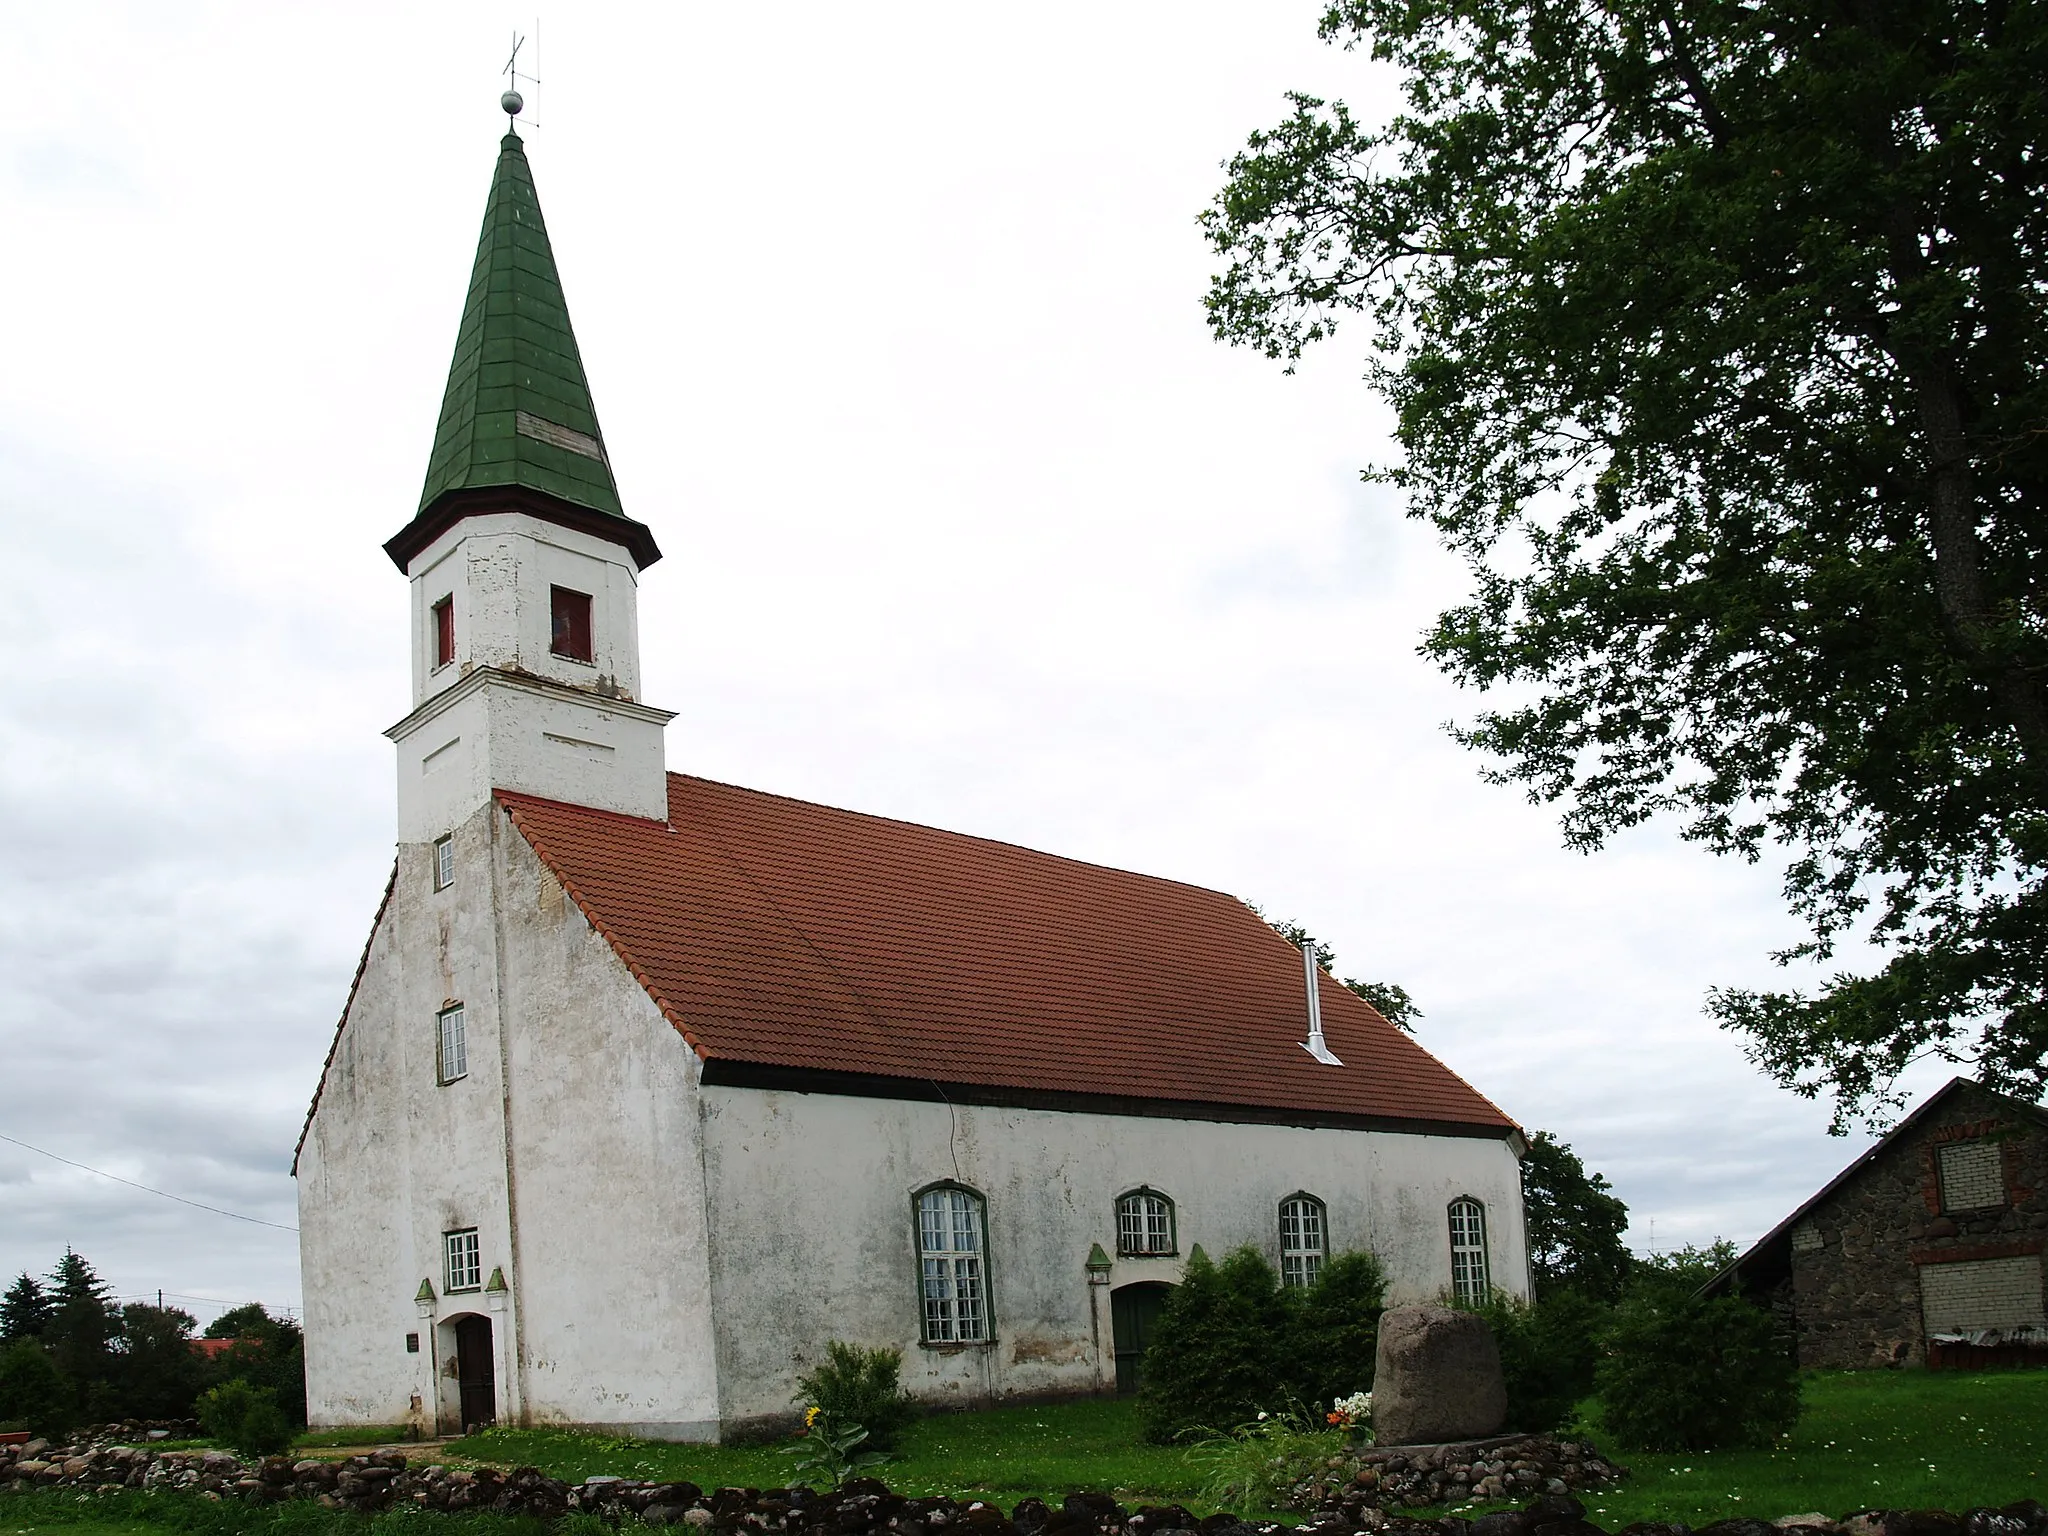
[648, 1086]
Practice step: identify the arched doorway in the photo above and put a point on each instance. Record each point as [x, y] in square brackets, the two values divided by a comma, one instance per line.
[476, 1370]
[1133, 1316]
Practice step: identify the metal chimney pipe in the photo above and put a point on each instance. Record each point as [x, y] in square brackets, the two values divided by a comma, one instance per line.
[1316, 1046]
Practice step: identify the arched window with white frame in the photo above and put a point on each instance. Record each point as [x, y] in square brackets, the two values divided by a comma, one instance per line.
[1304, 1239]
[1144, 1224]
[1470, 1281]
[952, 1251]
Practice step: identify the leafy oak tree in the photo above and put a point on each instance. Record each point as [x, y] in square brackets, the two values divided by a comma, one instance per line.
[1715, 334]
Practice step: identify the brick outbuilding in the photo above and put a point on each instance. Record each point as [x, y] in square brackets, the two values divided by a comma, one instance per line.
[1927, 1250]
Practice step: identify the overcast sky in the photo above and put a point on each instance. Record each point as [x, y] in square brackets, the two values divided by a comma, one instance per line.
[892, 315]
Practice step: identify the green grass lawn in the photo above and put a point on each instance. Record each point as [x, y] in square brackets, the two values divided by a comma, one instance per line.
[1896, 1439]
[1002, 1454]
[1899, 1439]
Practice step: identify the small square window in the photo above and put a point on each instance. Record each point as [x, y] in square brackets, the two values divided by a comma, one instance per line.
[444, 630]
[452, 1049]
[571, 615]
[412, 1343]
[444, 862]
[465, 1261]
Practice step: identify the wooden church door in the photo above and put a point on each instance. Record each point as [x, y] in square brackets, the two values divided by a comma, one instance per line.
[476, 1369]
[1133, 1314]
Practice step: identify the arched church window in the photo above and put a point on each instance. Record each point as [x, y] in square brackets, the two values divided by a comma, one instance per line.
[1470, 1281]
[953, 1262]
[1144, 1224]
[1304, 1239]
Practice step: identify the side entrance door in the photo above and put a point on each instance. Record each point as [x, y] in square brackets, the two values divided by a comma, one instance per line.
[1133, 1315]
[476, 1368]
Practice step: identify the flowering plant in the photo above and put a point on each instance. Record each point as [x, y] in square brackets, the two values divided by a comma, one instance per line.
[827, 1452]
[1352, 1414]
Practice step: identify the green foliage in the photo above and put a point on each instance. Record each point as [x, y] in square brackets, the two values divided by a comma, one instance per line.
[137, 1361]
[1251, 1469]
[1389, 998]
[1575, 1224]
[1717, 338]
[861, 1386]
[155, 1372]
[24, 1310]
[251, 1320]
[80, 1332]
[270, 1355]
[1212, 1359]
[1548, 1354]
[828, 1451]
[31, 1391]
[1683, 1270]
[1232, 1342]
[1683, 1374]
[1339, 1330]
[245, 1417]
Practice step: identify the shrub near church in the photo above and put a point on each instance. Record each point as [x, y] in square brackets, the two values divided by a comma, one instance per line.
[1233, 1342]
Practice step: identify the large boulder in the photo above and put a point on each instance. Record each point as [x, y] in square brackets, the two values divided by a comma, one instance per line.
[1437, 1378]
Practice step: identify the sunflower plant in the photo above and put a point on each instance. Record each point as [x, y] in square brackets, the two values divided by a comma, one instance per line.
[829, 1452]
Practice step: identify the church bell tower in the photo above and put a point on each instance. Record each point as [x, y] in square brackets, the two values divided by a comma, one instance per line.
[524, 566]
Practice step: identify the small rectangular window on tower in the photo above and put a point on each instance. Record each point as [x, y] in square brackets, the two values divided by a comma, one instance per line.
[444, 862]
[451, 1047]
[572, 624]
[444, 630]
[465, 1267]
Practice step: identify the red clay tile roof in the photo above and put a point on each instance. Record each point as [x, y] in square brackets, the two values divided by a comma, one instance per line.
[787, 935]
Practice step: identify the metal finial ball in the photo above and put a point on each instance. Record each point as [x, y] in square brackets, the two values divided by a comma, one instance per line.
[512, 101]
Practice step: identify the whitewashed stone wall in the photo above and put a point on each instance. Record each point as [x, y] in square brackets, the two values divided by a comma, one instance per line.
[675, 1255]
[813, 1197]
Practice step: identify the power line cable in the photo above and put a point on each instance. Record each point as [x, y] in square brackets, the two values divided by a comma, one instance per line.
[196, 1205]
[275, 1309]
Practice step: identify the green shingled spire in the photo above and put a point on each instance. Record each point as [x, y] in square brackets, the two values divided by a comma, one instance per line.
[517, 411]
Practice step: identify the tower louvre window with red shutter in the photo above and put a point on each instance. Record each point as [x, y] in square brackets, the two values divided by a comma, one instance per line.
[571, 624]
[444, 630]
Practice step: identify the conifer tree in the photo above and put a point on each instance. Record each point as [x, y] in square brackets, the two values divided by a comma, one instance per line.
[24, 1310]
[83, 1324]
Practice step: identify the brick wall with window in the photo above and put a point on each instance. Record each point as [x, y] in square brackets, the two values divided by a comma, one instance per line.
[1943, 1230]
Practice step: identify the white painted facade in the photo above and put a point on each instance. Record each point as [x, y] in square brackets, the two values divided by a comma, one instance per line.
[674, 1255]
[508, 711]
[659, 1256]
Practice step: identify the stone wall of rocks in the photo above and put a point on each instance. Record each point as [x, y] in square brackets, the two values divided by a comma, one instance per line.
[381, 1480]
[1855, 1289]
[1478, 1471]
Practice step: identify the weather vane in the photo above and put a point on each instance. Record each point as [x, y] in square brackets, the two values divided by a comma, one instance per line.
[512, 101]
